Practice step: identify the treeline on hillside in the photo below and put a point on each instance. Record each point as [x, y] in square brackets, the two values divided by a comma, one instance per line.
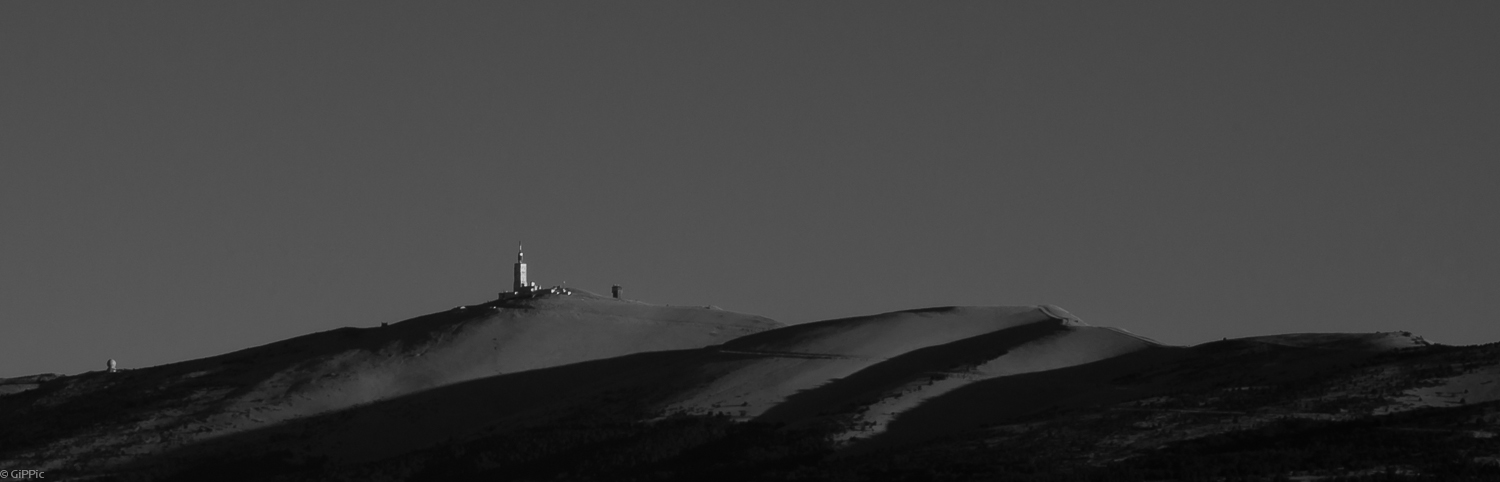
[1438, 444]
[1434, 444]
[712, 447]
[1431, 444]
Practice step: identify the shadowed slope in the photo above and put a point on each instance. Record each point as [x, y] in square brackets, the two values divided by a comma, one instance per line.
[974, 405]
[101, 417]
[881, 379]
[563, 367]
[884, 351]
[866, 370]
[866, 402]
[757, 372]
[620, 388]
[1280, 363]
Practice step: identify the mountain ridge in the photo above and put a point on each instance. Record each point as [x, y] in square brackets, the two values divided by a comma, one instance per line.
[479, 375]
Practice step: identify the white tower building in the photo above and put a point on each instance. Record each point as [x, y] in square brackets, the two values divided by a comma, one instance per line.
[520, 281]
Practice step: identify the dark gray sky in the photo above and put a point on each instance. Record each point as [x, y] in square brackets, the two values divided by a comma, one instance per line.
[181, 179]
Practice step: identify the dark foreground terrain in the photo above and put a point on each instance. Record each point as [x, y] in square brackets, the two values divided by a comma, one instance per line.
[981, 393]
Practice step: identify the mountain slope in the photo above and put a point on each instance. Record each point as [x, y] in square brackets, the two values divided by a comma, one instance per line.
[585, 387]
[863, 373]
[753, 374]
[100, 418]
[794, 375]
